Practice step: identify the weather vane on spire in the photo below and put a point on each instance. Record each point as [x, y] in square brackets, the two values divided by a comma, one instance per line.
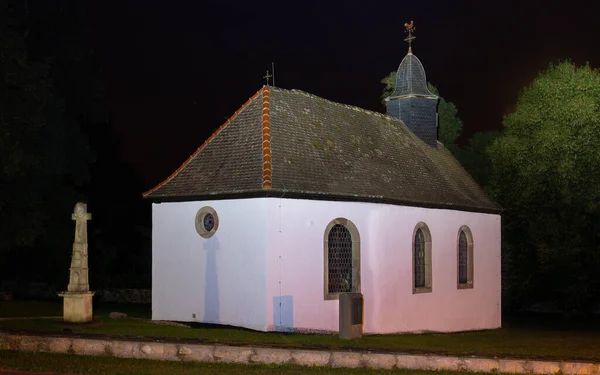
[410, 29]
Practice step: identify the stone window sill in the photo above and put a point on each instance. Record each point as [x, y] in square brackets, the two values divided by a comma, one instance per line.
[332, 296]
[423, 289]
[468, 285]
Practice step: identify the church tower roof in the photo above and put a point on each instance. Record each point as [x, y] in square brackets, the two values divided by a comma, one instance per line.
[411, 101]
[410, 78]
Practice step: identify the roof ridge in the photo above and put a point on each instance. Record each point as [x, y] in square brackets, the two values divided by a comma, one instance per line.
[356, 108]
[206, 142]
[353, 107]
[267, 182]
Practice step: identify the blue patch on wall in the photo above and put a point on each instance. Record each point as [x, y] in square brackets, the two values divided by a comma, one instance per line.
[283, 313]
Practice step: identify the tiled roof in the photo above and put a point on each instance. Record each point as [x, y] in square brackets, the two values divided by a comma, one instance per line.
[290, 143]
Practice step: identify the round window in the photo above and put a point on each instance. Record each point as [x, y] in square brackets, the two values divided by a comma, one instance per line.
[207, 222]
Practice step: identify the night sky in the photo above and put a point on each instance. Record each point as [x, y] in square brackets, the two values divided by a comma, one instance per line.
[175, 70]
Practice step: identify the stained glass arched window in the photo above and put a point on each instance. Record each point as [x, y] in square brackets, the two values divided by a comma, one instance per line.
[419, 259]
[421, 252]
[342, 258]
[463, 258]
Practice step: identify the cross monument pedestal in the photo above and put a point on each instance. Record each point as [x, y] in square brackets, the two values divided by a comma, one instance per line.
[77, 306]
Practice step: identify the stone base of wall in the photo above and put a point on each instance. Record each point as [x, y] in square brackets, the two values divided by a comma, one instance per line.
[252, 355]
[125, 295]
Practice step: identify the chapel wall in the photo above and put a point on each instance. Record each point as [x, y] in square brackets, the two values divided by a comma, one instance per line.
[220, 279]
[296, 268]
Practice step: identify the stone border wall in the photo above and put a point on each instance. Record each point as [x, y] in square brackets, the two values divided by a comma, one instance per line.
[125, 295]
[252, 355]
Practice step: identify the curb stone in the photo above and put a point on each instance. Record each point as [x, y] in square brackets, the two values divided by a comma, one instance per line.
[310, 358]
[211, 353]
[232, 354]
[346, 360]
[271, 356]
[379, 361]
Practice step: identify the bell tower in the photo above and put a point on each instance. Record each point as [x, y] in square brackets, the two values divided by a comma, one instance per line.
[411, 101]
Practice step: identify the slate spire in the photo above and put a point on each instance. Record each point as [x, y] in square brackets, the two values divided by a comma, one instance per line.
[411, 101]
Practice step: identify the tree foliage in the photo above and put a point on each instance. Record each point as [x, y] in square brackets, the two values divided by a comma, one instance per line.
[475, 158]
[450, 124]
[546, 174]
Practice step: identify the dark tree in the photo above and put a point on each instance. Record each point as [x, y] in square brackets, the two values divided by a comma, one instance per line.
[545, 173]
[44, 155]
[475, 158]
[57, 146]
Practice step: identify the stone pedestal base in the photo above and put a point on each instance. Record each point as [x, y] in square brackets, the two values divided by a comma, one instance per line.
[77, 306]
[351, 315]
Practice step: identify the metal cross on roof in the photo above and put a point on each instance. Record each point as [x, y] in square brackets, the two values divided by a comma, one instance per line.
[267, 77]
[410, 29]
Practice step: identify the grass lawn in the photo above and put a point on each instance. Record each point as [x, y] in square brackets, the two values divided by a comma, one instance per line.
[75, 364]
[29, 308]
[522, 338]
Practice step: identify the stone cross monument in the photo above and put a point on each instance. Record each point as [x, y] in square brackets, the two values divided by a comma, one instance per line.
[78, 298]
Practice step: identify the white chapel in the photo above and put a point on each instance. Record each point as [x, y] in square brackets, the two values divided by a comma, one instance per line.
[296, 199]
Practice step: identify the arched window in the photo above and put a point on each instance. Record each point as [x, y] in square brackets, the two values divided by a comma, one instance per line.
[342, 258]
[462, 258]
[465, 258]
[421, 259]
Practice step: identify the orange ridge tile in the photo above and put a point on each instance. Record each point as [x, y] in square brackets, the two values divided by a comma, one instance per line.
[266, 139]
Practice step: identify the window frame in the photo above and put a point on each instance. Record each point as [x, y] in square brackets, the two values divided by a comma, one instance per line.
[428, 288]
[199, 222]
[355, 257]
[470, 258]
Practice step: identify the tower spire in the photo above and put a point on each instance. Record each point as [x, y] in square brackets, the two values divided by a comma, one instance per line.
[410, 29]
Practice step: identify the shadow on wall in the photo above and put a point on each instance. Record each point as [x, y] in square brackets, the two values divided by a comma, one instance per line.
[211, 293]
